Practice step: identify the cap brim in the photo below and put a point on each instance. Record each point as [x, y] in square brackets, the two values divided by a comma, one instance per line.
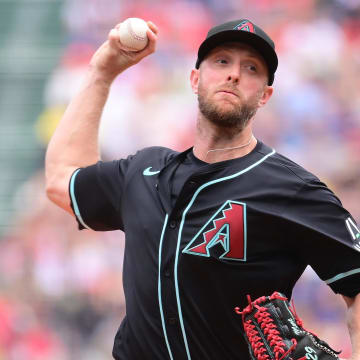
[253, 40]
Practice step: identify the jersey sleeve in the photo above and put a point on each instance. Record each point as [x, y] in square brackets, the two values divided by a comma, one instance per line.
[327, 237]
[95, 193]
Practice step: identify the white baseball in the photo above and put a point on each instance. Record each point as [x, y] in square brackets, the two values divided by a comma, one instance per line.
[132, 34]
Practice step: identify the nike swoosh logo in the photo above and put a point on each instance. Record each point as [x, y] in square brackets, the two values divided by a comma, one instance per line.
[148, 172]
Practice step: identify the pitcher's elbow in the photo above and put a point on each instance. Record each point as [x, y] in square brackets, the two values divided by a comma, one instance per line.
[51, 191]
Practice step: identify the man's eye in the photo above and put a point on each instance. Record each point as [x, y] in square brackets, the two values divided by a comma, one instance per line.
[252, 68]
[221, 61]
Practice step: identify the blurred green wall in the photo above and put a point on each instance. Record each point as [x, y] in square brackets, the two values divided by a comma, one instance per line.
[31, 39]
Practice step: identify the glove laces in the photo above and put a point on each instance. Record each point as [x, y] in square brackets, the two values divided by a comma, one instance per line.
[269, 329]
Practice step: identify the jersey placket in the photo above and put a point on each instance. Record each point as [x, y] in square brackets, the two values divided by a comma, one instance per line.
[169, 297]
[171, 319]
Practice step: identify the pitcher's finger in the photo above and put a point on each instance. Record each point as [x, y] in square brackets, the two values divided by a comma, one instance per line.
[151, 36]
[114, 40]
[152, 41]
[153, 27]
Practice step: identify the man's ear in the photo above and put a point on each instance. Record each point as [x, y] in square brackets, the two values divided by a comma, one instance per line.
[266, 95]
[194, 80]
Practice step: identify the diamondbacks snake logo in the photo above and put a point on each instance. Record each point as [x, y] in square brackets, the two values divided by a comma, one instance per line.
[227, 229]
[245, 26]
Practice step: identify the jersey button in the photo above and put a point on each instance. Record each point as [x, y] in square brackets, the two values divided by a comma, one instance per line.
[167, 273]
[172, 321]
[173, 224]
[192, 183]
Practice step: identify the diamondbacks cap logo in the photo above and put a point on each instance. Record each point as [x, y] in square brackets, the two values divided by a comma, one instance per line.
[354, 232]
[225, 231]
[245, 26]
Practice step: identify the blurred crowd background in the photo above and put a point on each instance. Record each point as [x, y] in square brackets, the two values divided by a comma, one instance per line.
[61, 289]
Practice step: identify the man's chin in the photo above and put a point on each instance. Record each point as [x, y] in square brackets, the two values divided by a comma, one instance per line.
[225, 106]
[226, 113]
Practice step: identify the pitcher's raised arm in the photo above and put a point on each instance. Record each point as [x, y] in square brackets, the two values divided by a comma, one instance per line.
[75, 141]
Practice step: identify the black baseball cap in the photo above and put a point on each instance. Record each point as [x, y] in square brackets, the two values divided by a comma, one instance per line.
[243, 31]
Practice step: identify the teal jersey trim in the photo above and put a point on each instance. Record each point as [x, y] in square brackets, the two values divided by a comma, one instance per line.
[179, 238]
[159, 288]
[342, 275]
[74, 202]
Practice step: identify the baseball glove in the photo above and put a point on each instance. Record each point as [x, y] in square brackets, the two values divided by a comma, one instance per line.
[273, 331]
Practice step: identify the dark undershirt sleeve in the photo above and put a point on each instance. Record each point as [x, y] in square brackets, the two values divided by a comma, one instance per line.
[95, 193]
[327, 237]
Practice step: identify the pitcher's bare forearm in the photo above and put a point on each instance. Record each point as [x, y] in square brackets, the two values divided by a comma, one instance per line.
[353, 322]
[75, 141]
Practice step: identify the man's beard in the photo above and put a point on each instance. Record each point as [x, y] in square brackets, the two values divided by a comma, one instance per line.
[237, 118]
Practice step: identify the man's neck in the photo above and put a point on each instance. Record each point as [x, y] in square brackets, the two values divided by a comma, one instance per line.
[214, 143]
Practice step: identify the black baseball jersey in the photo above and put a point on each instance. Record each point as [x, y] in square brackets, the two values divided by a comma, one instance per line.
[200, 237]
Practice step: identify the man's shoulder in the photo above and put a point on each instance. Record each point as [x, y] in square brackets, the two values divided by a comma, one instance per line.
[281, 163]
[154, 157]
[282, 172]
[160, 150]
[155, 153]
[296, 169]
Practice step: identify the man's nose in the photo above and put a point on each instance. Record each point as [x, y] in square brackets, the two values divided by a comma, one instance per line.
[234, 75]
